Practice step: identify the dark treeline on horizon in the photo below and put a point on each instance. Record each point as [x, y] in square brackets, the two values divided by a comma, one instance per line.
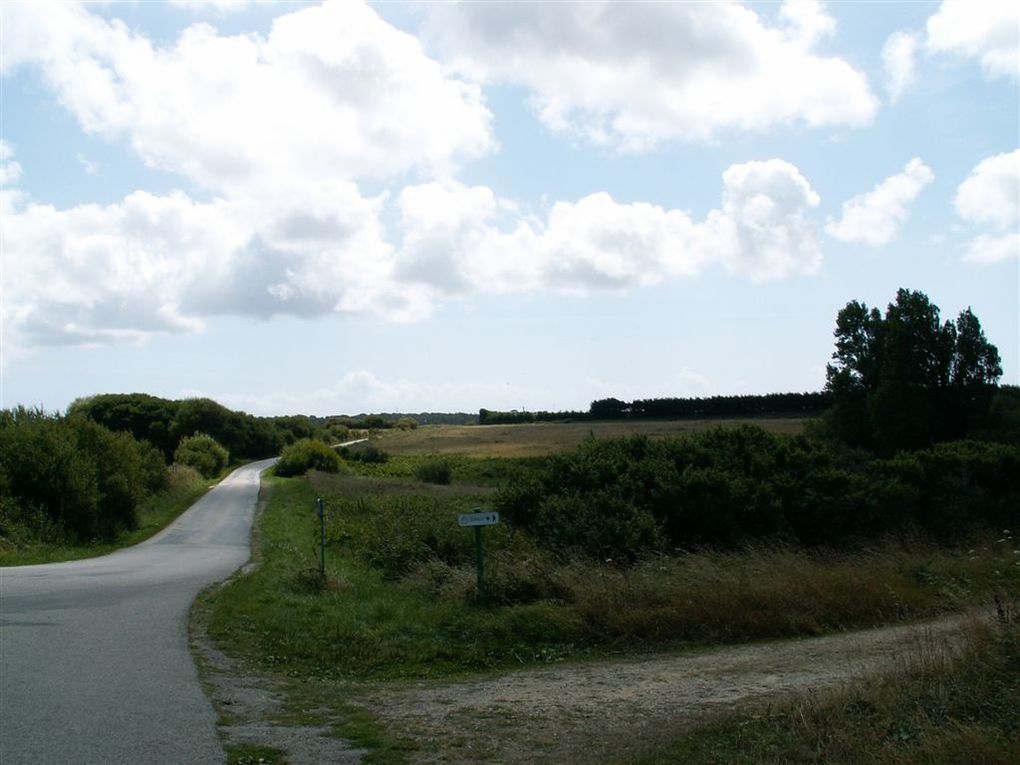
[762, 405]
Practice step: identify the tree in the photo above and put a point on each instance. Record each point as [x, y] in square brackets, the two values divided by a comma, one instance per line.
[908, 379]
[976, 361]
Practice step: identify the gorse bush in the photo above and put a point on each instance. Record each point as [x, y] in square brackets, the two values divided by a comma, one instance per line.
[203, 453]
[727, 487]
[307, 454]
[71, 478]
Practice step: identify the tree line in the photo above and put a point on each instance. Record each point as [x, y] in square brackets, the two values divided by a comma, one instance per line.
[711, 407]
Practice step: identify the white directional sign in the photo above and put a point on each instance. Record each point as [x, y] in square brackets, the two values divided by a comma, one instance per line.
[478, 519]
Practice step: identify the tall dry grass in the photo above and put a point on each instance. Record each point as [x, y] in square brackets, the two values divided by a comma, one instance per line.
[947, 703]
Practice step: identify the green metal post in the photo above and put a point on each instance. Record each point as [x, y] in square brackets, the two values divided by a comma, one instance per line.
[479, 562]
[322, 537]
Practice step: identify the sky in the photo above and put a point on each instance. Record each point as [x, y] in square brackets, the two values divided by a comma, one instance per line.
[405, 207]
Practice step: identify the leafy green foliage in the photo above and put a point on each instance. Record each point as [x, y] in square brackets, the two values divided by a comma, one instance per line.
[307, 454]
[907, 380]
[727, 487]
[203, 453]
[71, 477]
[164, 423]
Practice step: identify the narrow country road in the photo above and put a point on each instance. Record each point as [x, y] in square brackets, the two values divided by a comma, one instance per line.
[94, 659]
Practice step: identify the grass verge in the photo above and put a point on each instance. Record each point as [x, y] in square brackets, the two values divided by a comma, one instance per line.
[398, 599]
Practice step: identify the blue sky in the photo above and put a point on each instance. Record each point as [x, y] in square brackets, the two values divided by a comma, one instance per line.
[348, 207]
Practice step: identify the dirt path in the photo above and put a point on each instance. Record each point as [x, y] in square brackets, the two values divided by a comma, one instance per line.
[594, 712]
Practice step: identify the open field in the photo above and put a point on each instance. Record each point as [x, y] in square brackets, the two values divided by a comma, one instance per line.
[376, 657]
[542, 438]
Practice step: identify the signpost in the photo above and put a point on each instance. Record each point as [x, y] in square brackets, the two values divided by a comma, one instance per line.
[320, 510]
[476, 520]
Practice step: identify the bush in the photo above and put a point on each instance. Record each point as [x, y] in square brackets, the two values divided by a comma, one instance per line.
[70, 478]
[438, 471]
[369, 453]
[728, 487]
[203, 453]
[307, 454]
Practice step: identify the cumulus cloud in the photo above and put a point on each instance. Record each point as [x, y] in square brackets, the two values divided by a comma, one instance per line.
[151, 264]
[990, 197]
[99, 273]
[631, 75]
[10, 170]
[332, 91]
[985, 30]
[762, 230]
[875, 218]
[899, 59]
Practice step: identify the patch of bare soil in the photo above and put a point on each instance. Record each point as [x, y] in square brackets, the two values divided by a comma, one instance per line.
[253, 712]
[595, 712]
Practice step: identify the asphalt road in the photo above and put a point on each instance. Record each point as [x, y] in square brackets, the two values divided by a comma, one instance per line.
[94, 660]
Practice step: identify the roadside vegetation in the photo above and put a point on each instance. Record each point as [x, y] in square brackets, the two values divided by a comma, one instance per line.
[633, 543]
[901, 502]
[73, 487]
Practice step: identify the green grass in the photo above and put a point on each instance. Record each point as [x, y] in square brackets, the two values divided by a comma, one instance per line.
[464, 469]
[938, 710]
[398, 602]
[156, 514]
[399, 596]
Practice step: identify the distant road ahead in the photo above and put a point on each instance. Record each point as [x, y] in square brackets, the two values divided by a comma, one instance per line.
[94, 660]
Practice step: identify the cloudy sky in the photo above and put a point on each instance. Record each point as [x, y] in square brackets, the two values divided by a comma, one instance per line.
[354, 207]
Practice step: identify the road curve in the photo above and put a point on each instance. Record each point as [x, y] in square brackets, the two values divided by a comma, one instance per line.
[94, 659]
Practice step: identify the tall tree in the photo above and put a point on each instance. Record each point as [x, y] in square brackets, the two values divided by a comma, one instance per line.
[908, 379]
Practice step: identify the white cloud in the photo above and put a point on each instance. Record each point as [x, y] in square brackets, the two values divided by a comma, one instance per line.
[899, 58]
[991, 193]
[220, 6]
[631, 75]
[993, 248]
[333, 91]
[990, 196]
[875, 218]
[151, 264]
[87, 165]
[10, 170]
[986, 30]
[762, 230]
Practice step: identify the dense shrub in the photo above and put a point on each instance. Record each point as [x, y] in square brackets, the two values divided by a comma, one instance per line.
[71, 478]
[436, 470]
[307, 454]
[203, 453]
[727, 487]
[368, 453]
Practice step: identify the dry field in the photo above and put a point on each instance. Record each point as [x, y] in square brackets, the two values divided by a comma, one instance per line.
[542, 438]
